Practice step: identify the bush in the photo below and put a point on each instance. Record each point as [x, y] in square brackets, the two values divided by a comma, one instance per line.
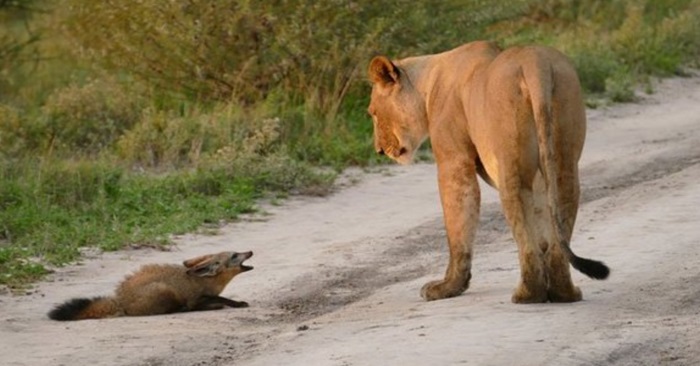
[595, 66]
[161, 138]
[10, 127]
[313, 51]
[18, 41]
[168, 138]
[612, 43]
[90, 117]
[303, 61]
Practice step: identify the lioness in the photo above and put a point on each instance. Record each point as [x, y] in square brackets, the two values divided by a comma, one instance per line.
[516, 118]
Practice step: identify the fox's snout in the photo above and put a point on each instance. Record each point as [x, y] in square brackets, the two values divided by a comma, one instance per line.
[240, 258]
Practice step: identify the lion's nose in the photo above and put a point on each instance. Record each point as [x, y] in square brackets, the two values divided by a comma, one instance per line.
[380, 151]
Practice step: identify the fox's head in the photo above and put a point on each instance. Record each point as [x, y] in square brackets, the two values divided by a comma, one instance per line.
[224, 264]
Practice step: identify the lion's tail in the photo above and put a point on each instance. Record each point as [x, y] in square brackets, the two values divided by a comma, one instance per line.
[540, 87]
[78, 309]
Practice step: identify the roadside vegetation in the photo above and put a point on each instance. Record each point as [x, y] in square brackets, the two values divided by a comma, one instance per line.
[123, 123]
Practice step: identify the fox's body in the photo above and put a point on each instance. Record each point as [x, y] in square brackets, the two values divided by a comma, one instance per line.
[163, 289]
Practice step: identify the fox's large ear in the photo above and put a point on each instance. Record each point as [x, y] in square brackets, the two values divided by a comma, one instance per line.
[383, 72]
[205, 268]
[201, 266]
[191, 262]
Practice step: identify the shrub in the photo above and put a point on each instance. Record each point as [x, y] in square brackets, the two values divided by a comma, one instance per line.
[170, 138]
[612, 43]
[90, 117]
[10, 127]
[313, 51]
[18, 41]
[260, 156]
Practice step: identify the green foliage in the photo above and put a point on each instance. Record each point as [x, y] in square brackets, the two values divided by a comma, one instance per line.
[595, 66]
[90, 117]
[51, 209]
[162, 138]
[17, 40]
[11, 131]
[613, 43]
[310, 51]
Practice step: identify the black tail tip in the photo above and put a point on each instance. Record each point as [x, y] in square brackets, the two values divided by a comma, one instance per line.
[69, 310]
[594, 269]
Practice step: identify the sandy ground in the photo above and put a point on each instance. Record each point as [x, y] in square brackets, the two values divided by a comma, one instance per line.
[337, 279]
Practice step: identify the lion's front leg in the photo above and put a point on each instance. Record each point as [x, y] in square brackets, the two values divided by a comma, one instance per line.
[460, 196]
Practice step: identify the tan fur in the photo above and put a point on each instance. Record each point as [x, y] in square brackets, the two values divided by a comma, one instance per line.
[514, 117]
[164, 288]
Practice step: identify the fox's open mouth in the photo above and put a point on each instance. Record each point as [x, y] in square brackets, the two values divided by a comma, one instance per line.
[244, 267]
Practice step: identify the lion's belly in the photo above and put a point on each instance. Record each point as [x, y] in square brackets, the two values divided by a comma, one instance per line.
[490, 165]
[508, 148]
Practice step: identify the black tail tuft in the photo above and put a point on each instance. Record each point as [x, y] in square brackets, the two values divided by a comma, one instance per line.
[70, 309]
[591, 268]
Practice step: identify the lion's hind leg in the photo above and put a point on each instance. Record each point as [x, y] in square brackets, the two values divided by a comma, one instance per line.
[518, 206]
[560, 287]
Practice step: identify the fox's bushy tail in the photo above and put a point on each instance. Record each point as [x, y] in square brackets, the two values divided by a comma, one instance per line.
[83, 308]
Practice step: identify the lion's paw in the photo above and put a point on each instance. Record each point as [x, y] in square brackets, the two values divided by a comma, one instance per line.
[441, 289]
[528, 295]
[572, 294]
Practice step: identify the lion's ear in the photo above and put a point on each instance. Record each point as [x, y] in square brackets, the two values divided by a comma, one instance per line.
[382, 71]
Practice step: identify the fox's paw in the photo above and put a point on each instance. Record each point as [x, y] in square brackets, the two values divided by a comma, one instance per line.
[240, 304]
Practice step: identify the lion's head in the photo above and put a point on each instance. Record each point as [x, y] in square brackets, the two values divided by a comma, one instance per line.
[397, 110]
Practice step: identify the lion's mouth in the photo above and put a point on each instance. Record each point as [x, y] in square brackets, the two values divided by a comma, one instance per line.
[392, 152]
[403, 156]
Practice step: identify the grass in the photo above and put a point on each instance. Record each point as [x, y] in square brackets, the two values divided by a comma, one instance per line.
[149, 125]
[50, 210]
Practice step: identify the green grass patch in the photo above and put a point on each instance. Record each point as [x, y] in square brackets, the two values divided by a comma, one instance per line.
[49, 210]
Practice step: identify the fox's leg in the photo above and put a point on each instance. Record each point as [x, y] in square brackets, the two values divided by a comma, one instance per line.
[216, 303]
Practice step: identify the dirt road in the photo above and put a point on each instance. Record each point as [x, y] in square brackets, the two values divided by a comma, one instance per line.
[337, 279]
